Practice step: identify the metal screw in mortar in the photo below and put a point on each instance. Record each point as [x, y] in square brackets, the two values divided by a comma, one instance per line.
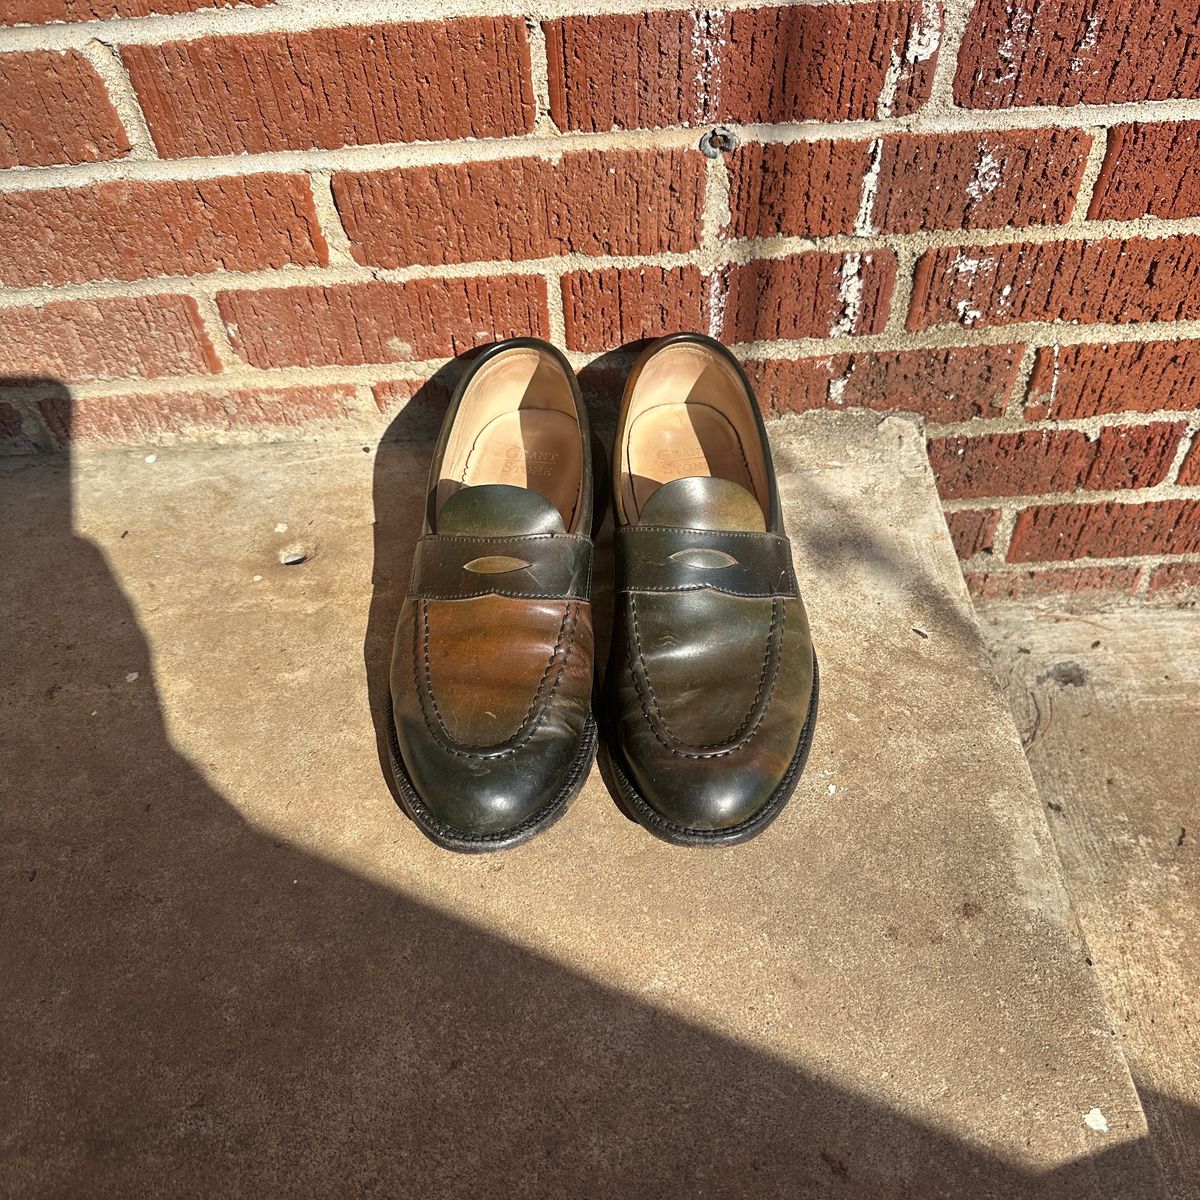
[718, 141]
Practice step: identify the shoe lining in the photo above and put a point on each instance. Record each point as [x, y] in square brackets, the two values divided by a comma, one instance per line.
[688, 415]
[516, 424]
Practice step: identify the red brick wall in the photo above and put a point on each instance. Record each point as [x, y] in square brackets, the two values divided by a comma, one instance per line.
[225, 220]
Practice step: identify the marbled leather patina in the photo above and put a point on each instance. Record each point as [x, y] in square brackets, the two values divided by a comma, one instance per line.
[491, 678]
[711, 684]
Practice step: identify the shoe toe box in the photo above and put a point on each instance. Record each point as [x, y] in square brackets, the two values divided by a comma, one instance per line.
[707, 794]
[486, 794]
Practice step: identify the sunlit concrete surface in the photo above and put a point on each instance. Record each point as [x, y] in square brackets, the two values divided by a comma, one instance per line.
[1108, 704]
[233, 967]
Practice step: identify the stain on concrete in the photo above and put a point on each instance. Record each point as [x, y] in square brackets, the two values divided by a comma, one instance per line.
[1065, 674]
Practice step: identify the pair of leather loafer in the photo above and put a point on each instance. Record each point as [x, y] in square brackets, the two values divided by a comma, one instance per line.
[710, 695]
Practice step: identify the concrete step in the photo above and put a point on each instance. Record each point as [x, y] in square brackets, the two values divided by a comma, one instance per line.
[1108, 705]
[239, 969]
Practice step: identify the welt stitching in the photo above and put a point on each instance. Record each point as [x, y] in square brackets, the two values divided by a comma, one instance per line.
[522, 734]
[710, 752]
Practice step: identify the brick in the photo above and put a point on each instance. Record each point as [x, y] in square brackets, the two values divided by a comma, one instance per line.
[632, 71]
[200, 416]
[121, 338]
[606, 309]
[1070, 382]
[1148, 171]
[1116, 280]
[1134, 456]
[1189, 472]
[946, 384]
[922, 181]
[42, 12]
[55, 110]
[954, 384]
[1053, 460]
[1177, 581]
[976, 180]
[785, 385]
[175, 227]
[1105, 530]
[394, 395]
[602, 383]
[415, 407]
[808, 62]
[972, 530]
[829, 62]
[246, 94]
[13, 438]
[1030, 585]
[802, 189]
[1026, 52]
[594, 202]
[1010, 464]
[381, 322]
[805, 295]
[10, 421]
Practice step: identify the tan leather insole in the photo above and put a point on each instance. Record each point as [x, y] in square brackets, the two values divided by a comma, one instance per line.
[533, 448]
[517, 424]
[679, 441]
[688, 415]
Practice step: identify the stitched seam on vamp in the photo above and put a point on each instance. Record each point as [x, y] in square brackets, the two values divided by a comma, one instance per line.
[516, 537]
[496, 592]
[700, 587]
[706, 751]
[735, 533]
[522, 735]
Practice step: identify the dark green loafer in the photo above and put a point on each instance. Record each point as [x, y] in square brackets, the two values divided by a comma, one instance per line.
[711, 688]
[491, 728]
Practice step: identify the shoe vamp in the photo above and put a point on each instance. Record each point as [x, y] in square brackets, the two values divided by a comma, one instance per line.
[708, 659]
[492, 662]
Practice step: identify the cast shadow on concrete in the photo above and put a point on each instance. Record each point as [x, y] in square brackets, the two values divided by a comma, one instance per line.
[1174, 1125]
[191, 1006]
